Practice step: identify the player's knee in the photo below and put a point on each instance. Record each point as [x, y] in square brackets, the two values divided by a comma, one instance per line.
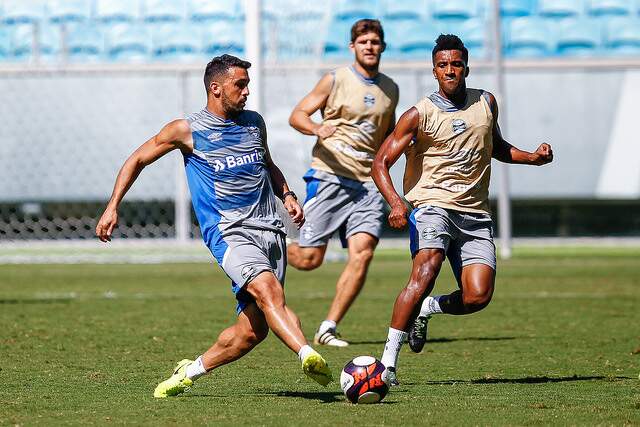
[427, 272]
[477, 300]
[362, 258]
[309, 261]
[268, 294]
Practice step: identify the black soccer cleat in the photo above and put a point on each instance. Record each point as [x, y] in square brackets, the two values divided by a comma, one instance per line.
[418, 333]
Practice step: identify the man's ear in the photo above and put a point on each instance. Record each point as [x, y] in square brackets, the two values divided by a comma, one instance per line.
[466, 73]
[214, 87]
[384, 47]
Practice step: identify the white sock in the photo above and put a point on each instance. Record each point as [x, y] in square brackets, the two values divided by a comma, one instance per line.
[431, 305]
[196, 369]
[395, 339]
[305, 350]
[326, 325]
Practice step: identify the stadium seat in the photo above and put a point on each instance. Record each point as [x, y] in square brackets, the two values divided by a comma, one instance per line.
[64, 11]
[454, 9]
[22, 12]
[300, 39]
[85, 43]
[473, 33]
[114, 11]
[560, 8]
[415, 40]
[311, 11]
[223, 37]
[578, 37]
[336, 44]
[128, 43]
[351, 10]
[527, 37]
[517, 8]
[176, 44]
[155, 11]
[48, 42]
[403, 9]
[611, 7]
[212, 10]
[623, 37]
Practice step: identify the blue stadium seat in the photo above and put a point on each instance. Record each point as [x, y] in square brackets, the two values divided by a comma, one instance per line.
[128, 43]
[299, 39]
[517, 8]
[473, 33]
[578, 37]
[611, 7]
[561, 8]
[351, 10]
[48, 43]
[403, 9]
[311, 11]
[64, 11]
[623, 37]
[527, 37]
[414, 40]
[223, 37]
[23, 12]
[176, 44]
[85, 43]
[4, 44]
[115, 11]
[213, 10]
[455, 9]
[336, 44]
[155, 11]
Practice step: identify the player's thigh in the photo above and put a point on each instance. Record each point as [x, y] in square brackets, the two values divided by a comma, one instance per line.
[478, 282]
[266, 289]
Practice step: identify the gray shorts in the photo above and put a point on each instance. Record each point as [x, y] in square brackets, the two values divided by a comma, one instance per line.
[250, 252]
[349, 207]
[466, 238]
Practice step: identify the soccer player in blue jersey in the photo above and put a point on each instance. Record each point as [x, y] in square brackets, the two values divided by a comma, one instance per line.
[233, 183]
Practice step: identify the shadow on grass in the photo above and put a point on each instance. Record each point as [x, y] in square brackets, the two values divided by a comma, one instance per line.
[35, 300]
[529, 380]
[441, 340]
[323, 396]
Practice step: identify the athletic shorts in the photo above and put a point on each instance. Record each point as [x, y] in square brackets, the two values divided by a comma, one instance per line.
[347, 206]
[249, 252]
[466, 238]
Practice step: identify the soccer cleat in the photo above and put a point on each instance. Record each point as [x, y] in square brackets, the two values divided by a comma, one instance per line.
[418, 333]
[329, 337]
[316, 368]
[177, 384]
[389, 377]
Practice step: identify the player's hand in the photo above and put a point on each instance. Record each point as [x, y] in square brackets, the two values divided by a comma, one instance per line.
[543, 155]
[398, 216]
[106, 224]
[324, 131]
[295, 210]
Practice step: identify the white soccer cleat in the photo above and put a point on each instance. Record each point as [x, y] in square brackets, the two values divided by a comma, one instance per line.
[330, 337]
[389, 377]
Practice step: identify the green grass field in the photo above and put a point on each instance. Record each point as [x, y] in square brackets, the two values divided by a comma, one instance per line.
[559, 344]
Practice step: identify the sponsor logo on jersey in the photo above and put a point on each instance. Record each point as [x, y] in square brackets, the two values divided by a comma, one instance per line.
[369, 100]
[230, 162]
[458, 126]
[215, 136]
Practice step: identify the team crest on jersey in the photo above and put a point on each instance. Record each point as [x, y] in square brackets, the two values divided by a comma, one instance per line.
[458, 126]
[254, 132]
[246, 272]
[369, 100]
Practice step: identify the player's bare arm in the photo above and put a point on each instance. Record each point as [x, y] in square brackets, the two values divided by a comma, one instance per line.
[174, 135]
[315, 100]
[389, 152]
[280, 187]
[507, 153]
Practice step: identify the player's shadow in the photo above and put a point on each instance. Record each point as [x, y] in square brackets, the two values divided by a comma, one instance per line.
[528, 380]
[323, 396]
[446, 340]
[16, 301]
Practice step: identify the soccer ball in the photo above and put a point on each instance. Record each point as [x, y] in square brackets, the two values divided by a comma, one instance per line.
[361, 380]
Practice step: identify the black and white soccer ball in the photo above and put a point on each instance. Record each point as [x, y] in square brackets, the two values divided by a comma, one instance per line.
[361, 380]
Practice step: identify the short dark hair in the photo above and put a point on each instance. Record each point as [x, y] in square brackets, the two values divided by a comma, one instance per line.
[220, 65]
[449, 42]
[364, 26]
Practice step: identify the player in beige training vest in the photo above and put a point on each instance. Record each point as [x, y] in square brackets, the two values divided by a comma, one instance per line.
[449, 139]
[358, 111]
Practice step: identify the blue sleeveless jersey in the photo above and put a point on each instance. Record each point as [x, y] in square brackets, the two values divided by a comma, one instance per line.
[228, 179]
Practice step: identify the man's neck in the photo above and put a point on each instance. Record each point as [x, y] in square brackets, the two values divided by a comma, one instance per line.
[217, 111]
[365, 72]
[458, 99]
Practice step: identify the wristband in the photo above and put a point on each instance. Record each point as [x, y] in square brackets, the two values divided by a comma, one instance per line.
[289, 193]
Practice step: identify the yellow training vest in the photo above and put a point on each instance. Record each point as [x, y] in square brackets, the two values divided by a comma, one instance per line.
[362, 111]
[449, 163]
